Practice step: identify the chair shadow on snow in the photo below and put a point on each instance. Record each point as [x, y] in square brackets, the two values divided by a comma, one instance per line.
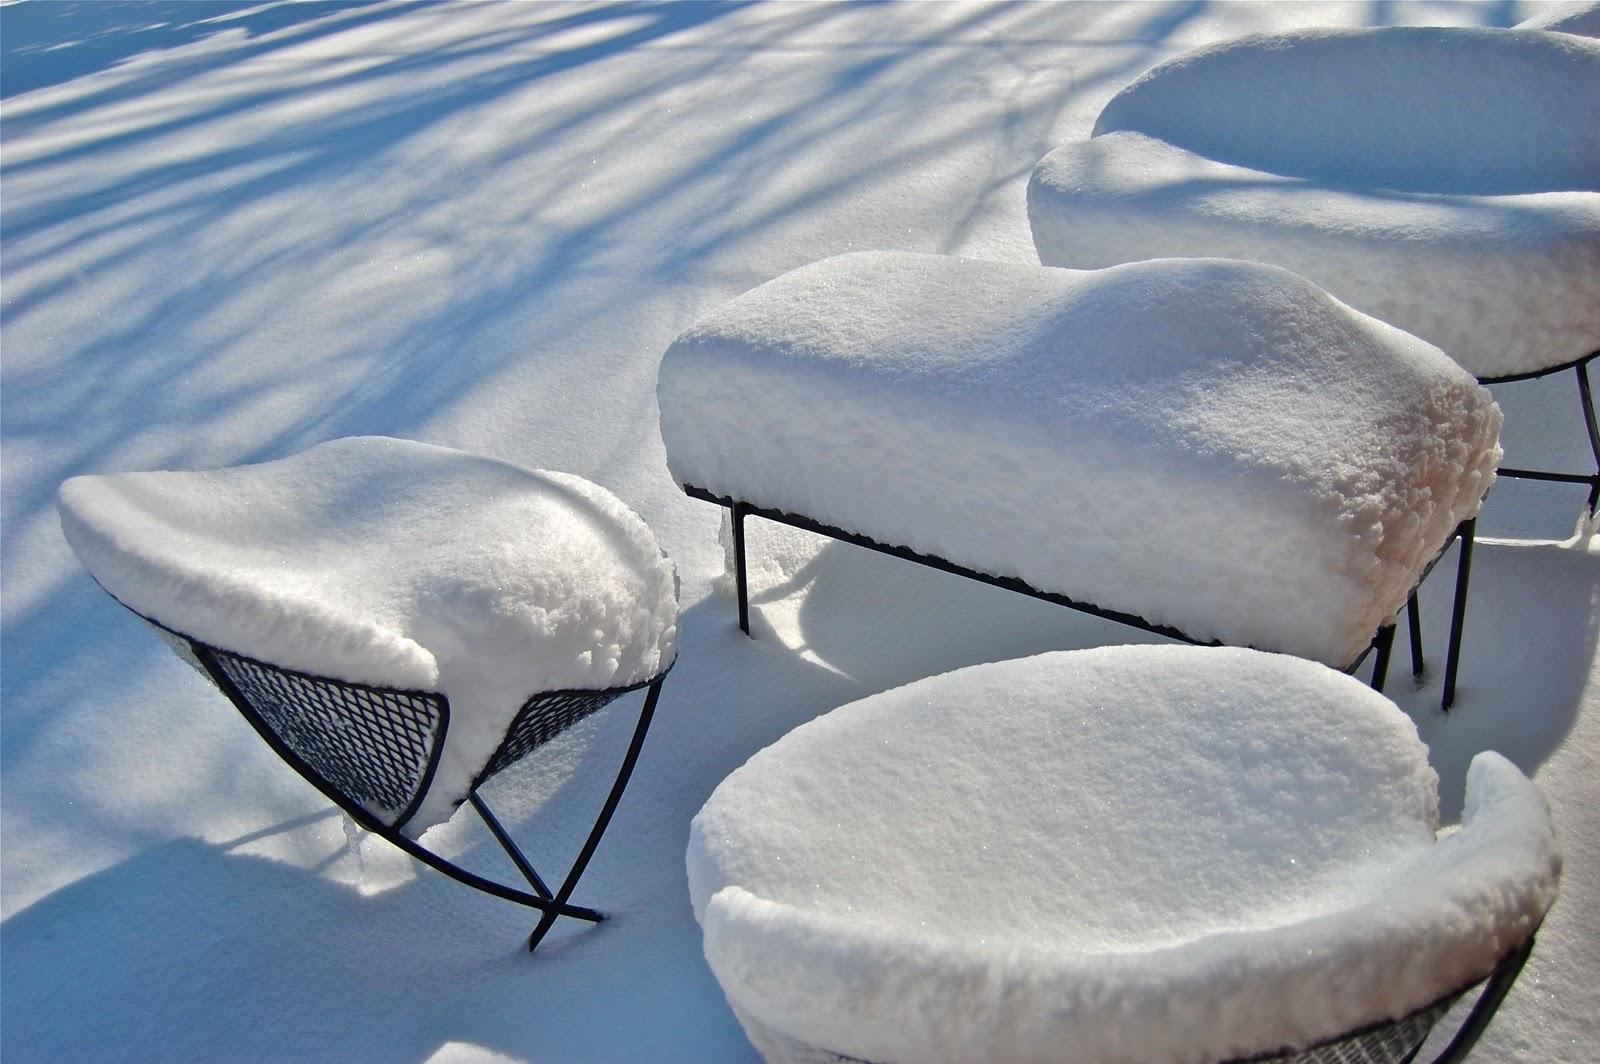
[1529, 642]
[179, 952]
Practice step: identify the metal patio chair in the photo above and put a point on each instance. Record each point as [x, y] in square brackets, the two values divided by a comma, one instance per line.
[391, 535]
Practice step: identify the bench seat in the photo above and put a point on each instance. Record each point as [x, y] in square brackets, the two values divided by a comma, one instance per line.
[1219, 447]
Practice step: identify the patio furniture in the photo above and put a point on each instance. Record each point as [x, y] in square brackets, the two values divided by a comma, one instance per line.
[1210, 450]
[1165, 854]
[398, 621]
[1445, 180]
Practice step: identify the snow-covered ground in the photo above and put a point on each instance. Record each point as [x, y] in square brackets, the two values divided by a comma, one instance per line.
[233, 230]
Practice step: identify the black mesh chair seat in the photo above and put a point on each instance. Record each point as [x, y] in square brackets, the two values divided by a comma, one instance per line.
[376, 747]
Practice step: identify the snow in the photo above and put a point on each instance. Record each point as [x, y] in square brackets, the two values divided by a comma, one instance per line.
[1146, 853]
[393, 564]
[1362, 159]
[229, 233]
[1017, 420]
[1582, 19]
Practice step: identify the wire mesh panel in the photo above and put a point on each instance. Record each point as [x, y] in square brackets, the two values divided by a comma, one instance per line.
[373, 745]
[1391, 1043]
[541, 719]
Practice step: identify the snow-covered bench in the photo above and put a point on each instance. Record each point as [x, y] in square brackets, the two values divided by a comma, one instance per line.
[1212, 449]
[1161, 854]
[399, 621]
[1445, 180]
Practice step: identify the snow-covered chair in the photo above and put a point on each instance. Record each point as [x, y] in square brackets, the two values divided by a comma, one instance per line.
[398, 621]
[1209, 449]
[1163, 854]
[1446, 180]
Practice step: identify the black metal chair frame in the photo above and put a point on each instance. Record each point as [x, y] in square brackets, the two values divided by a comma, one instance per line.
[1580, 367]
[1382, 645]
[532, 727]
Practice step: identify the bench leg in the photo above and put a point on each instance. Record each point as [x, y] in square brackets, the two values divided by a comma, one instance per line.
[1414, 626]
[1594, 432]
[741, 578]
[1380, 665]
[1586, 398]
[559, 902]
[1458, 615]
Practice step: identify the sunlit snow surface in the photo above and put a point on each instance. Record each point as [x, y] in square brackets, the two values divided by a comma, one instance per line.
[232, 231]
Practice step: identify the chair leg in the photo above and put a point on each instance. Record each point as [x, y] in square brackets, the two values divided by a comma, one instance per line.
[509, 845]
[1483, 1010]
[741, 578]
[1414, 626]
[1587, 396]
[1458, 615]
[563, 895]
[1380, 666]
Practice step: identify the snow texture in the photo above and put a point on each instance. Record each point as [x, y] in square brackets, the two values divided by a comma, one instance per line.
[1446, 180]
[1163, 854]
[1581, 19]
[1029, 422]
[232, 231]
[395, 564]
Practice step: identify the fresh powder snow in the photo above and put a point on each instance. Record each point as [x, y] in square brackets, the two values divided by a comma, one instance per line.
[1024, 421]
[1163, 854]
[231, 231]
[1446, 180]
[394, 564]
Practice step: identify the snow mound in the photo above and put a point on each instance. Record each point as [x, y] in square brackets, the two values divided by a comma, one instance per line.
[1046, 424]
[1444, 180]
[1144, 853]
[1582, 19]
[396, 564]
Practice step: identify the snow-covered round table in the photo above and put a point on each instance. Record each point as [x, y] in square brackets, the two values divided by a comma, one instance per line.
[1156, 854]
[399, 621]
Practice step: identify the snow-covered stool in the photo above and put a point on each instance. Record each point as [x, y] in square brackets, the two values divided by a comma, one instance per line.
[1210, 449]
[1162, 854]
[1445, 180]
[398, 621]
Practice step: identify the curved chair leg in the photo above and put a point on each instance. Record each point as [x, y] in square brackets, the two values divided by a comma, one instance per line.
[558, 905]
[1494, 992]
